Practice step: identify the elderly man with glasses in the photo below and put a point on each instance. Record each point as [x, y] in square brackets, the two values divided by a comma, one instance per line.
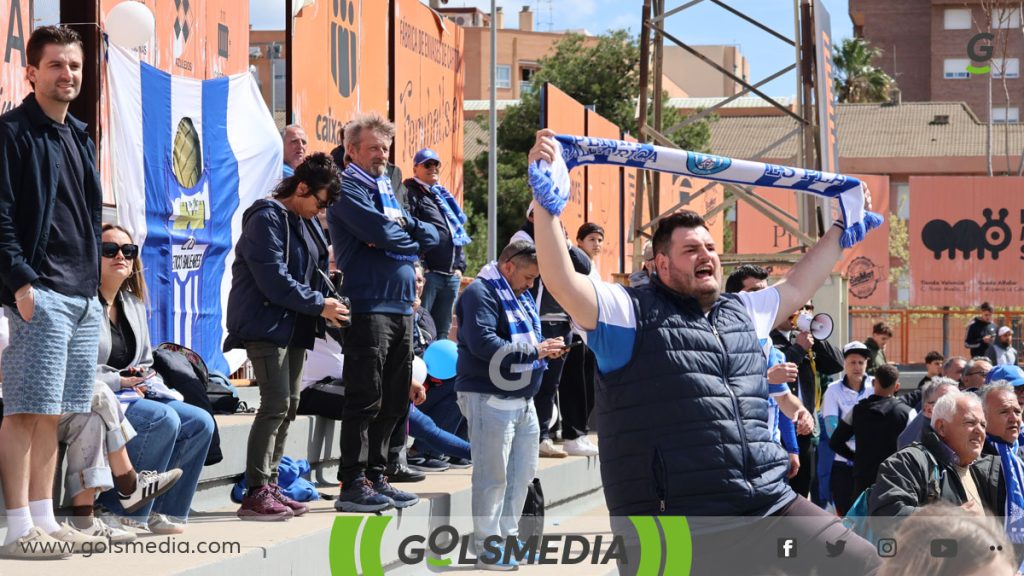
[974, 374]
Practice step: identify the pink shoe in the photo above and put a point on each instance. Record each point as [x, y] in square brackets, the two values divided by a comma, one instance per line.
[261, 505]
[297, 508]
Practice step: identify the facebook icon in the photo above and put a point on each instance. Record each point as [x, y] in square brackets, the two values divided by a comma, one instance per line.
[787, 548]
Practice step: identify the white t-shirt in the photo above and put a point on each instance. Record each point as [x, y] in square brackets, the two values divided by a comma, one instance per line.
[839, 401]
[613, 338]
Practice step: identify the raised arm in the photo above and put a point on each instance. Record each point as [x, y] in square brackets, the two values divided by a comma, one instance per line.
[807, 275]
[573, 291]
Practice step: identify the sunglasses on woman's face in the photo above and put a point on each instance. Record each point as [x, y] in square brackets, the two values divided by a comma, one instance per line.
[110, 250]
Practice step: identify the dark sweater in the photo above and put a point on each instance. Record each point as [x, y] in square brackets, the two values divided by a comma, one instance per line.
[484, 334]
[361, 234]
[876, 422]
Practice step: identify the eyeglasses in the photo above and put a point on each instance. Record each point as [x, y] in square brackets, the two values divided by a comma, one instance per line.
[321, 204]
[976, 373]
[110, 250]
[431, 164]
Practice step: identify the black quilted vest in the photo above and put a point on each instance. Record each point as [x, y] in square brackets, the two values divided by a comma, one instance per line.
[683, 426]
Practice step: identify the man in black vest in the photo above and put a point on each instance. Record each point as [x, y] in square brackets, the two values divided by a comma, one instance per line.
[682, 399]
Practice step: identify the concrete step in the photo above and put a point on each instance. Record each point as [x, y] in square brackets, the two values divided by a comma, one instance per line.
[302, 545]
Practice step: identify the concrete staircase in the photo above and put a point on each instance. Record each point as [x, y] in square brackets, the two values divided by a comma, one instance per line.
[302, 545]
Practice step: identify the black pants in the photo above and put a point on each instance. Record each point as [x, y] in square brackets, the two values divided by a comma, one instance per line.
[842, 487]
[544, 400]
[740, 546]
[576, 393]
[377, 376]
[801, 483]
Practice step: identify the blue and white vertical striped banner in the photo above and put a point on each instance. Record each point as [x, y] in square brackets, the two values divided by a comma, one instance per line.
[188, 157]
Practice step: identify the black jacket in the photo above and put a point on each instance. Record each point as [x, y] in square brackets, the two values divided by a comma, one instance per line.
[445, 257]
[269, 300]
[910, 479]
[828, 360]
[977, 330]
[876, 423]
[29, 149]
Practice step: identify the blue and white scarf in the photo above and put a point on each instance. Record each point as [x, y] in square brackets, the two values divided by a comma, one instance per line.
[388, 201]
[1013, 474]
[453, 215]
[521, 313]
[551, 184]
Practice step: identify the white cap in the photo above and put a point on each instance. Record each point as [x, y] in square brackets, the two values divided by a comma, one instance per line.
[1005, 330]
[858, 347]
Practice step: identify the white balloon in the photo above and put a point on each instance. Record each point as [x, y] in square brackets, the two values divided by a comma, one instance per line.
[419, 370]
[130, 24]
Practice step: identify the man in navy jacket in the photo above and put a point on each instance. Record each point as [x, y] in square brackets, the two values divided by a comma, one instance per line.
[375, 246]
[497, 375]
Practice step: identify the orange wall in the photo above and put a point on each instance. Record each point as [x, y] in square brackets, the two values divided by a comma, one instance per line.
[330, 87]
[428, 90]
[13, 86]
[604, 195]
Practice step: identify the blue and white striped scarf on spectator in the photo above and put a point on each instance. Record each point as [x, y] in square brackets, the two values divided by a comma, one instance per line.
[521, 313]
[551, 184]
[1013, 474]
[453, 215]
[388, 201]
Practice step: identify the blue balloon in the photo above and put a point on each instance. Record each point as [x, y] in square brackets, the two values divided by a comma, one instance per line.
[440, 358]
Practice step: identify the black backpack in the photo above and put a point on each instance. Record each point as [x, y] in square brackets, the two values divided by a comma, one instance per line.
[222, 398]
[532, 521]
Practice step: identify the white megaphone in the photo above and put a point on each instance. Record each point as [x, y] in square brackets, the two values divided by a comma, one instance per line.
[819, 325]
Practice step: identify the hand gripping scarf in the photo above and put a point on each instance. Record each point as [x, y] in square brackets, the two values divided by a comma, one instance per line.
[550, 182]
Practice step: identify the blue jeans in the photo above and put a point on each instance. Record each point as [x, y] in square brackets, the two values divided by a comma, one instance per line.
[439, 294]
[503, 436]
[171, 434]
[440, 406]
[433, 439]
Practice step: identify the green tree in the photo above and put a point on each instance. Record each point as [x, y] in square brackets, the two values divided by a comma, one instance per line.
[857, 79]
[603, 73]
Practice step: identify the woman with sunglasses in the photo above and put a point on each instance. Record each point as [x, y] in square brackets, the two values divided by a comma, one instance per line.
[170, 433]
[276, 308]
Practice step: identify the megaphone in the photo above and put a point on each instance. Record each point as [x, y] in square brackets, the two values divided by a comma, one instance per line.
[819, 325]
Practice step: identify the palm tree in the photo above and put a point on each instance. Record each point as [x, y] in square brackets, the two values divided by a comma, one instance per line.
[857, 80]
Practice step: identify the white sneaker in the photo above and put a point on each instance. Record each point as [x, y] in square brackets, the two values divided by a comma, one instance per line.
[549, 450]
[580, 447]
[80, 541]
[109, 531]
[148, 487]
[162, 524]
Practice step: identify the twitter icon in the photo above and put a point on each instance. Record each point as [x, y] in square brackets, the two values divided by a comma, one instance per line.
[833, 550]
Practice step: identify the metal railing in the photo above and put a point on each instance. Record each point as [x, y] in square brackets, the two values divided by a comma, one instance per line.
[917, 331]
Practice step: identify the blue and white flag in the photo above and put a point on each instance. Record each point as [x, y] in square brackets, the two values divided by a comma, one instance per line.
[551, 184]
[188, 157]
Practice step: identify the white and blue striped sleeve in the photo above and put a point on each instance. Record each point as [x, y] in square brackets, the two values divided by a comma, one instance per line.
[613, 338]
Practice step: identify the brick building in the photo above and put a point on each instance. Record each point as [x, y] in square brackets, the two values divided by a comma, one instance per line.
[925, 44]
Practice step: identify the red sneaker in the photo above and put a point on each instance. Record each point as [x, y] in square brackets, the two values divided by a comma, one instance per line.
[261, 505]
[297, 508]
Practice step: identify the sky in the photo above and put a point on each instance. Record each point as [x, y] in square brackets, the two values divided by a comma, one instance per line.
[704, 23]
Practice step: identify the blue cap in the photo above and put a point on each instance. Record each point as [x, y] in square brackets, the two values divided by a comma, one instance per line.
[1013, 375]
[424, 155]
